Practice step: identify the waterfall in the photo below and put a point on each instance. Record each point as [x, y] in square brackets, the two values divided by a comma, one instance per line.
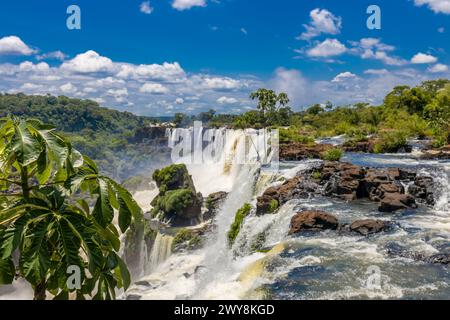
[161, 251]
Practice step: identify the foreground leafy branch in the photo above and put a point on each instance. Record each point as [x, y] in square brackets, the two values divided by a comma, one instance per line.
[47, 226]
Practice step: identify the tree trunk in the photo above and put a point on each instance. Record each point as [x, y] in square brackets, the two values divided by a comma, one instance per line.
[39, 292]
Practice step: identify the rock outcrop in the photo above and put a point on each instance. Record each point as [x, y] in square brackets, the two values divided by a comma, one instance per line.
[313, 221]
[177, 201]
[213, 203]
[350, 182]
[369, 226]
[440, 153]
[359, 146]
[300, 151]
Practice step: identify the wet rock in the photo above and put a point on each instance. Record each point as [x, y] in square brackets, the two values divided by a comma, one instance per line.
[350, 182]
[133, 297]
[360, 146]
[313, 221]
[143, 283]
[422, 190]
[177, 201]
[369, 226]
[442, 258]
[396, 201]
[396, 250]
[213, 203]
[299, 151]
[440, 154]
[343, 180]
[292, 188]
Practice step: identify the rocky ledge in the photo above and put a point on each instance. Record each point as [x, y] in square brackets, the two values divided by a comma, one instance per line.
[312, 220]
[440, 153]
[349, 182]
[300, 151]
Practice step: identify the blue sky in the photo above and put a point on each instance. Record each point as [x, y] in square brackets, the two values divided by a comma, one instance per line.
[159, 57]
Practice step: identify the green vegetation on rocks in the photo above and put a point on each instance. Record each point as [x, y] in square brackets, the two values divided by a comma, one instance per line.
[273, 206]
[237, 224]
[186, 239]
[334, 154]
[177, 199]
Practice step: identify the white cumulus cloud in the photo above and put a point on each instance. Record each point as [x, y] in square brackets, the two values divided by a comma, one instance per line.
[422, 58]
[438, 68]
[146, 8]
[227, 100]
[344, 76]
[187, 4]
[153, 88]
[327, 48]
[88, 62]
[438, 6]
[322, 22]
[13, 45]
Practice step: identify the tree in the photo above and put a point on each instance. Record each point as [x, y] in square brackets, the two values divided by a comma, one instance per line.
[269, 102]
[46, 220]
[315, 110]
[179, 119]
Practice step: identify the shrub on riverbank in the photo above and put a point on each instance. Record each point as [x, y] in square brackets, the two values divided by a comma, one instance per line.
[391, 142]
[334, 154]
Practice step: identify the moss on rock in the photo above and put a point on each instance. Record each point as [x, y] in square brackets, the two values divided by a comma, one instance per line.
[237, 224]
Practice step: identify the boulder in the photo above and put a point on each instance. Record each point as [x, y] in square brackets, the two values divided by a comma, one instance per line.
[441, 258]
[292, 188]
[313, 221]
[360, 146]
[422, 190]
[440, 153]
[396, 201]
[177, 200]
[213, 203]
[369, 226]
[300, 151]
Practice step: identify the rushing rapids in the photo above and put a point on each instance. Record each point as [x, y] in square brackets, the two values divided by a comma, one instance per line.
[266, 262]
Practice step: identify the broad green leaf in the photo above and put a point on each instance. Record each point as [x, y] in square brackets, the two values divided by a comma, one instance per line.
[103, 212]
[25, 145]
[7, 271]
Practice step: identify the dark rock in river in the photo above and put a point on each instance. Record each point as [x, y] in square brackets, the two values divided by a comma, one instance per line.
[213, 203]
[442, 258]
[350, 182]
[422, 190]
[177, 200]
[313, 221]
[396, 201]
[361, 146]
[300, 151]
[369, 226]
[440, 153]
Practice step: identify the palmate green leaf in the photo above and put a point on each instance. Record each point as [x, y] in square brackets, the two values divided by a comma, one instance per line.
[122, 274]
[19, 208]
[35, 260]
[12, 237]
[103, 212]
[44, 168]
[25, 145]
[128, 200]
[7, 271]
[86, 232]
[70, 244]
[124, 216]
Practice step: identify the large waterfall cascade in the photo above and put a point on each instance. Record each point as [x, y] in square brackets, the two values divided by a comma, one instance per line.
[325, 266]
